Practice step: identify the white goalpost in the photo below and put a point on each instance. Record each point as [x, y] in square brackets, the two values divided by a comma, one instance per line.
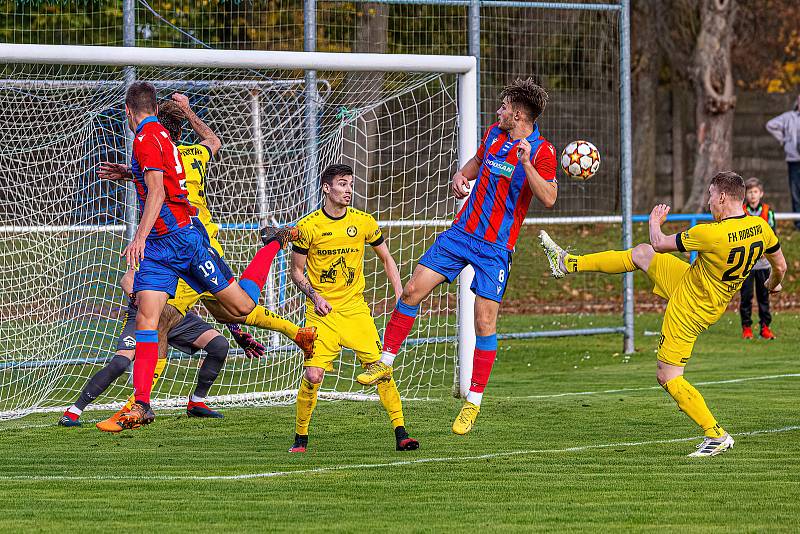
[404, 122]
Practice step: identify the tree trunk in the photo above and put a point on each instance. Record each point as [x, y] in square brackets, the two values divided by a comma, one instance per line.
[646, 63]
[714, 89]
[360, 144]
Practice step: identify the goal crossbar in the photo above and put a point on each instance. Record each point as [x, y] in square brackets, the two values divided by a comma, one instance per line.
[232, 59]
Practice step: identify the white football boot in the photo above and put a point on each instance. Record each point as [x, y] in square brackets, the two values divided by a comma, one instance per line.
[555, 255]
[713, 446]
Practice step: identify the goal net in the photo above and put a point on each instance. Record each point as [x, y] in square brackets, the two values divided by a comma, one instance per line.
[62, 228]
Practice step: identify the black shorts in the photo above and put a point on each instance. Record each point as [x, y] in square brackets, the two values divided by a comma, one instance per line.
[181, 336]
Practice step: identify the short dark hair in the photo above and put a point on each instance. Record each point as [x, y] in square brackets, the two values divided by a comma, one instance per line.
[171, 117]
[528, 95]
[730, 183]
[752, 183]
[332, 171]
[141, 97]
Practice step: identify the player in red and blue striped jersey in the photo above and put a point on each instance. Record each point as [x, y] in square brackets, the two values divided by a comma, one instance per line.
[168, 245]
[513, 165]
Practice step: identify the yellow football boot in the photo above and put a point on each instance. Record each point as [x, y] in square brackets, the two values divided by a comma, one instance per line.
[375, 373]
[466, 418]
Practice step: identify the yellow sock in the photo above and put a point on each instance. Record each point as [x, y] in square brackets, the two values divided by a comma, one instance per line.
[608, 261]
[160, 364]
[306, 401]
[691, 402]
[263, 318]
[390, 398]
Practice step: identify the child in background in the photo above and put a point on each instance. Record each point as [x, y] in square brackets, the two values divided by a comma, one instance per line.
[760, 272]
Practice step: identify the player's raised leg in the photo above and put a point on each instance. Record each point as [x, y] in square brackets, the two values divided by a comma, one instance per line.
[485, 353]
[422, 283]
[263, 318]
[608, 261]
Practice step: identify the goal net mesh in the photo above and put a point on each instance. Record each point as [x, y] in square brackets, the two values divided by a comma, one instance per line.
[62, 228]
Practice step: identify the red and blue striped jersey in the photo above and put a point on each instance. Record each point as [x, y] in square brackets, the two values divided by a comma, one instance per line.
[153, 150]
[500, 196]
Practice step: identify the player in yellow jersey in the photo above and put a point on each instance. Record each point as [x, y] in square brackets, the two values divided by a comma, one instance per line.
[697, 294]
[330, 249]
[195, 159]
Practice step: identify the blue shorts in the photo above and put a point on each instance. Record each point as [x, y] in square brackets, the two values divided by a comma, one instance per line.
[455, 249]
[185, 253]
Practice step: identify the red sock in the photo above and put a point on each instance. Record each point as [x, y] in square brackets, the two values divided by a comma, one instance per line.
[255, 275]
[144, 365]
[397, 331]
[482, 363]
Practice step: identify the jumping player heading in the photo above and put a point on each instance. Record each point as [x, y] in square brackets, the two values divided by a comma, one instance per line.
[514, 163]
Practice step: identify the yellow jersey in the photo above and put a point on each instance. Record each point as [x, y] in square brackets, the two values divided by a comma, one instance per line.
[194, 159]
[727, 251]
[335, 251]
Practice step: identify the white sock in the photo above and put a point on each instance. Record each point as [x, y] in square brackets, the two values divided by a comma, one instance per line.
[195, 398]
[474, 397]
[388, 358]
[74, 409]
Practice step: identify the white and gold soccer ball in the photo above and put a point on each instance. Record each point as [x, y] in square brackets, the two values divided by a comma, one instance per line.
[580, 159]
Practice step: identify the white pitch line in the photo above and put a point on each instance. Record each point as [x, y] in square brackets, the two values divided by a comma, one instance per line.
[648, 388]
[348, 467]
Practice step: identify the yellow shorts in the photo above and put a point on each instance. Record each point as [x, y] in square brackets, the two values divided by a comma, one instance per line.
[185, 297]
[353, 329]
[678, 331]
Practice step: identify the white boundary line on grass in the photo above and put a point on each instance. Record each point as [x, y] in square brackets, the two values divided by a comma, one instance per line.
[348, 467]
[648, 388]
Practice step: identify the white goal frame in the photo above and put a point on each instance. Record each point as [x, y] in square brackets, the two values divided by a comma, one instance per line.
[467, 98]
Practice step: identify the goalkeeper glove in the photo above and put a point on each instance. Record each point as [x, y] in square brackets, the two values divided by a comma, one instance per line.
[251, 347]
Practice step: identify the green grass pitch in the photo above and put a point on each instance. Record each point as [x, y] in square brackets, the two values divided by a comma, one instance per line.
[552, 451]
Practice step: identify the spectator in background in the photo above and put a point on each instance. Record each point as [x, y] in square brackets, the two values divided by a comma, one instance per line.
[786, 129]
[754, 192]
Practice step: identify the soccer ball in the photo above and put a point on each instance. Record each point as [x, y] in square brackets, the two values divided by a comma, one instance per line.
[580, 159]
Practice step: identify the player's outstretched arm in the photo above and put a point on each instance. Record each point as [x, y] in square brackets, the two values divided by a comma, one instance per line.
[658, 239]
[778, 263]
[321, 306]
[206, 134]
[545, 191]
[390, 266]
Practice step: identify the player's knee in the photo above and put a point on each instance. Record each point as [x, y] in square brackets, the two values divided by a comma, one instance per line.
[218, 348]
[243, 309]
[411, 294]
[661, 378]
[315, 374]
[485, 326]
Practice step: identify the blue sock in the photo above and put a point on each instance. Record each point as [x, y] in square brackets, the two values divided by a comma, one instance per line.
[405, 309]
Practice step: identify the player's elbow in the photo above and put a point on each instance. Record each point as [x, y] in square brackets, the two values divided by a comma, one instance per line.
[660, 247]
[549, 203]
[214, 144]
